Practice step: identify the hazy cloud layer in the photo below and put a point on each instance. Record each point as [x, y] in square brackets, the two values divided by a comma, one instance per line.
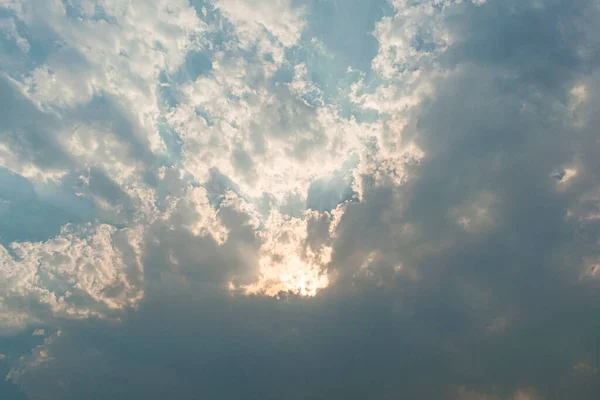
[300, 199]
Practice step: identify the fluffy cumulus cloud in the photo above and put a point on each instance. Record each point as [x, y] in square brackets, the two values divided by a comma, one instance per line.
[298, 199]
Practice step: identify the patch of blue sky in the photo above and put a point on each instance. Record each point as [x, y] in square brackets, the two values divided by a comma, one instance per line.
[14, 346]
[35, 212]
[75, 9]
[216, 187]
[337, 48]
[173, 143]
[206, 11]
[345, 27]
[23, 49]
[326, 194]
[196, 63]
[168, 96]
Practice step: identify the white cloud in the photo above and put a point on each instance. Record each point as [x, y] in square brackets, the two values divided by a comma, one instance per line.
[277, 17]
[590, 268]
[10, 160]
[194, 213]
[265, 141]
[385, 165]
[39, 356]
[564, 176]
[288, 263]
[9, 28]
[120, 52]
[80, 273]
[411, 38]
[266, 137]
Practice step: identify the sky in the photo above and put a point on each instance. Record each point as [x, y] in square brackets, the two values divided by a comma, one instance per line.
[299, 199]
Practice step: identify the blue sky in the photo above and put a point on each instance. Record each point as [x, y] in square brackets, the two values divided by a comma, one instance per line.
[299, 199]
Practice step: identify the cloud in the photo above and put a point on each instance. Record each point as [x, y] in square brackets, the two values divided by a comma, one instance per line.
[288, 262]
[253, 19]
[465, 394]
[222, 199]
[80, 273]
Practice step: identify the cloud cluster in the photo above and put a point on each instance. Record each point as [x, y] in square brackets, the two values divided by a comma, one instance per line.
[224, 199]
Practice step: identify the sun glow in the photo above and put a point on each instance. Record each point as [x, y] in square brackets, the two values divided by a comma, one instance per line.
[287, 261]
[294, 275]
